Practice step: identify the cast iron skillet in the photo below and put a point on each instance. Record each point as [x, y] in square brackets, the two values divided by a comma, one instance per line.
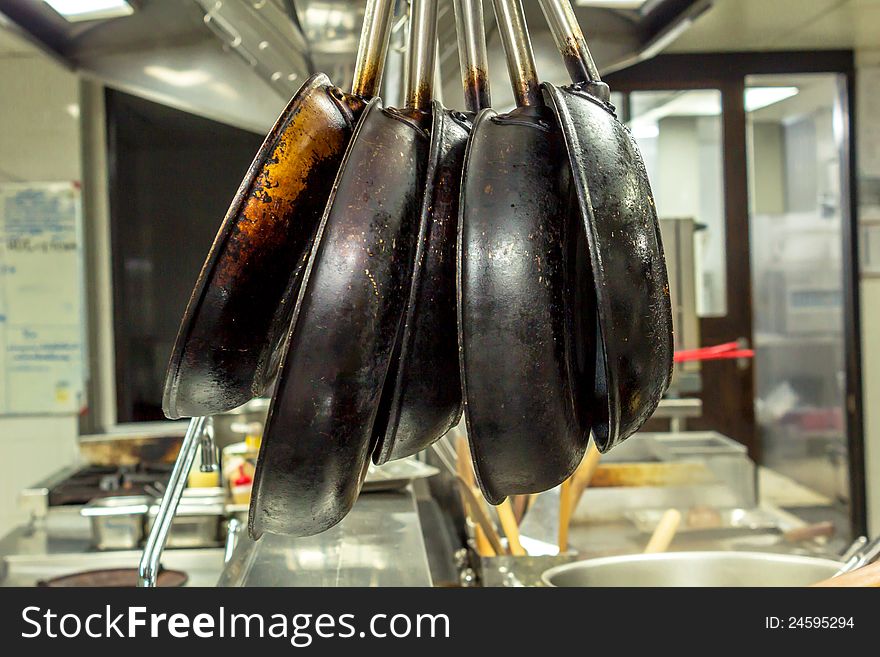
[319, 432]
[423, 393]
[635, 318]
[515, 312]
[239, 310]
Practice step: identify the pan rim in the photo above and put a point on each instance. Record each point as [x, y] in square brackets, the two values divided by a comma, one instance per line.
[586, 208]
[318, 523]
[207, 272]
[253, 512]
[486, 114]
[580, 434]
[440, 116]
[612, 396]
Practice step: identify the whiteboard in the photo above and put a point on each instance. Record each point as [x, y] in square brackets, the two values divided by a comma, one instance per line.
[41, 299]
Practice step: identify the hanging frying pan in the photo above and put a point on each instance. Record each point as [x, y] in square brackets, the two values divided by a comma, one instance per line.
[318, 436]
[635, 318]
[515, 313]
[240, 308]
[423, 392]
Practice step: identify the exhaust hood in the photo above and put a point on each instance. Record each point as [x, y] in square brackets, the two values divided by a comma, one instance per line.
[239, 61]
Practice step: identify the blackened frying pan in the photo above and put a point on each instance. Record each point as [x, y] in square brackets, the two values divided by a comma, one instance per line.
[347, 320]
[239, 310]
[516, 314]
[423, 392]
[632, 291]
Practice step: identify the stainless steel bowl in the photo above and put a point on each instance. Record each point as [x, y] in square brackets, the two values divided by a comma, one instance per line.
[721, 569]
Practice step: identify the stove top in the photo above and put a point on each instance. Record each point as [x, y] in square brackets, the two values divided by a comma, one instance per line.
[94, 481]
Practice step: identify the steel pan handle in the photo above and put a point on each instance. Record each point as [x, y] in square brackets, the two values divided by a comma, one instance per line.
[422, 53]
[572, 45]
[863, 557]
[520, 57]
[373, 48]
[471, 31]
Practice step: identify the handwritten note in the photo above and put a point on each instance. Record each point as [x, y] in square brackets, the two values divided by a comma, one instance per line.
[41, 299]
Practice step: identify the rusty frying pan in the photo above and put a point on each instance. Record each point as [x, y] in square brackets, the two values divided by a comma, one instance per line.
[515, 312]
[635, 356]
[239, 310]
[423, 393]
[319, 432]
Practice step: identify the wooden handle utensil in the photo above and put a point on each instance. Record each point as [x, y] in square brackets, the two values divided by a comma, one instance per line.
[664, 532]
[510, 527]
[571, 491]
[868, 576]
[486, 537]
[477, 511]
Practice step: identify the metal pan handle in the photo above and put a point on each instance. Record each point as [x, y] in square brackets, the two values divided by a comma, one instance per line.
[573, 46]
[422, 53]
[373, 48]
[471, 31]
[520, 57]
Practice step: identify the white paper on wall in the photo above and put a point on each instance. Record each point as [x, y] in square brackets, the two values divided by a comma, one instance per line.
[868, 84]
[41, 300]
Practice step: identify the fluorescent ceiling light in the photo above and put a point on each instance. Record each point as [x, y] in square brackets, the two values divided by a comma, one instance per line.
[759, 97]
[188, 78]
[612, 4]
[703, 102]
[90, 10]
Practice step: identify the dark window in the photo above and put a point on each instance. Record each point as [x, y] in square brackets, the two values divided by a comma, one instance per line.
[172, 176]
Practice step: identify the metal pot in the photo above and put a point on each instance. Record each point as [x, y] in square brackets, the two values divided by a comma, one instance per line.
[719, 569]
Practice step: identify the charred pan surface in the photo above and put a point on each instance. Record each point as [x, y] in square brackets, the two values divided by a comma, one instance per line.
[574, 63]
[318, 436]
[577, 70]
[423, 388]
[514, 314]
[231, 325]
[632, 290]
[369, 78]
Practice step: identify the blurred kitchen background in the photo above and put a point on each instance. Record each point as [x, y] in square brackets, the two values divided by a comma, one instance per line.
[757, 120]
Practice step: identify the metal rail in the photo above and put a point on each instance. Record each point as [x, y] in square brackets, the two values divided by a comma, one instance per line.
[200, 433]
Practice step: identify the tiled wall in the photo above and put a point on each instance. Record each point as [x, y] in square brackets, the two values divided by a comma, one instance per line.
[39, 141]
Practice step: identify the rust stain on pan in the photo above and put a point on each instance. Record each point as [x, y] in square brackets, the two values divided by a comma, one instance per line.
[234, 322]
[303, 147]
[370, 77]
[476, 87]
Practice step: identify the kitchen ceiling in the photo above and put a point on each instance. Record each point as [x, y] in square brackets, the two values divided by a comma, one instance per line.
[737, 25]
[239, 61]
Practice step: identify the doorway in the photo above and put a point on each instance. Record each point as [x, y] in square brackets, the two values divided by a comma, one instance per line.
[753, 151]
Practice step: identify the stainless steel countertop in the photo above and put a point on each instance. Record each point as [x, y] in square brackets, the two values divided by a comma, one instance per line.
[202, 566]
[61, 544]
[379, 543]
